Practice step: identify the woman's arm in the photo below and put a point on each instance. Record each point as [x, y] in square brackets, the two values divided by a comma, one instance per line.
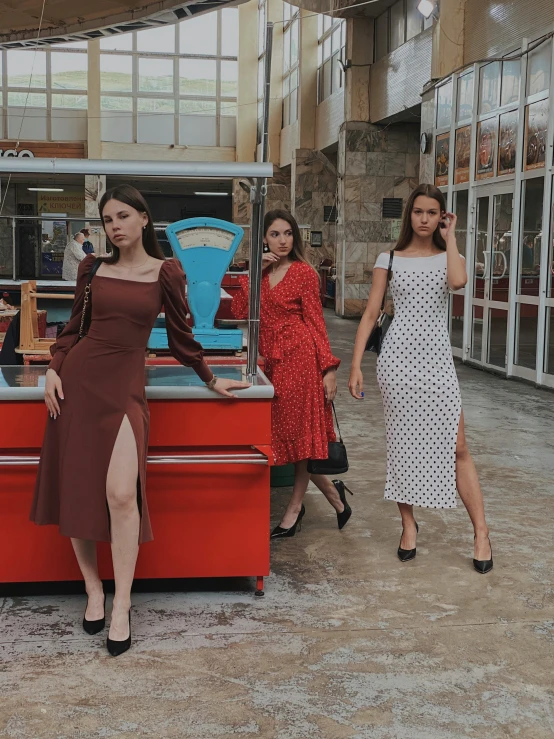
[68, 337]
[367, 322]
[312, 313]
[182, 344]
[456, 274]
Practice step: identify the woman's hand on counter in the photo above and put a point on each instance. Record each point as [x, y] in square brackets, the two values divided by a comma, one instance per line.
[224, 386]
[53, 388]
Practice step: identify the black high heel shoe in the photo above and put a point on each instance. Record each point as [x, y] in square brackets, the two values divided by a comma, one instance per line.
[279, 532]
[343, 516]
[116, 647]
[94, 627]
[405, 555]
[483, 566]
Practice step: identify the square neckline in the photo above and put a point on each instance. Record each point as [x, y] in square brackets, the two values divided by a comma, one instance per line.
[138, 282]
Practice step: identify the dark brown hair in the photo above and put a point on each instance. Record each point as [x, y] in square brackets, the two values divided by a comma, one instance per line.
[406, 231]
[298, 253]
[131, 196]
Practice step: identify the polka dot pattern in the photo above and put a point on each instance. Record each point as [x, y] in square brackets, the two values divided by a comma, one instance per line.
[295, 345]
[419, 386]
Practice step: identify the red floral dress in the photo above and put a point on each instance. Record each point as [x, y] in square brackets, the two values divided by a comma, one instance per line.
[294, 343]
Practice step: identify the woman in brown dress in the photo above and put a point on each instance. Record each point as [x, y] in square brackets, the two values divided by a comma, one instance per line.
[91, 478]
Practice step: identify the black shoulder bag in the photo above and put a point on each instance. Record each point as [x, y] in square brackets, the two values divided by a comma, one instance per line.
[382, 324]
[336, 462]
[87, 301]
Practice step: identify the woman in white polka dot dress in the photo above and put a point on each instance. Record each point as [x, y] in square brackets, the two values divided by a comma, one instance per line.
[427, 454]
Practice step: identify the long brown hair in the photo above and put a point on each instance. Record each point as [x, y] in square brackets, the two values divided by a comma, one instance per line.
[298, 253]
[406, 230]
[131, 196]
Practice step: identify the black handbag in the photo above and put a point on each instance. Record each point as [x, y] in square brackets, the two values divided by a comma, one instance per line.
[382, 324]
[87, 301]
[337, 460]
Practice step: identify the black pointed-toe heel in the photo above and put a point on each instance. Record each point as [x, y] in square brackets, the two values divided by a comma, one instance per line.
[94, 627]
[116, 647]
[343, 516]
[482, 566]
[280, 533]
[405, 555]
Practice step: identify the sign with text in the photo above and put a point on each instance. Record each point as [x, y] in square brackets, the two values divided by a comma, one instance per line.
[70, 202]
[45, 149]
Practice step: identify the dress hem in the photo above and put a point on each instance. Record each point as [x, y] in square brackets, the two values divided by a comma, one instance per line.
[421, 505]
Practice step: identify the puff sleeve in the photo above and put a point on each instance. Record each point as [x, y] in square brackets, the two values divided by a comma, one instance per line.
[69, 336]
[312, 313]
[182, 344]
[239, 304]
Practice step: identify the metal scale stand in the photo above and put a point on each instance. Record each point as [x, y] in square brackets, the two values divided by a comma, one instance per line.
[205, 248]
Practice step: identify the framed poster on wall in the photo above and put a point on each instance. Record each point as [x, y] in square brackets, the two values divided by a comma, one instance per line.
[507, 143]
[463, 148]
[536, 127]
[442, 159]
[486, 148]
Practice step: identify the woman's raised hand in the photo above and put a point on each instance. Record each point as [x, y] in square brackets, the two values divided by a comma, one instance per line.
[268, 259]
[356, 383]
[53, 386]
[449, 220]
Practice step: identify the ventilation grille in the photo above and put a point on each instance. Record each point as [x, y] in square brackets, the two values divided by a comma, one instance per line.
[392, 208]
[329, 214]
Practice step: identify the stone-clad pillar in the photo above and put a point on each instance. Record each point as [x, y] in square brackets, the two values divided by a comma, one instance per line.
[374, 162]
[95, 187]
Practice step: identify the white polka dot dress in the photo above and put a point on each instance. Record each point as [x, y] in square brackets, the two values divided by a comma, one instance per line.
[419, 386]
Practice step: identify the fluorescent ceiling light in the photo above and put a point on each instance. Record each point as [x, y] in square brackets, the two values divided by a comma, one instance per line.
[45, 189]
[223, 194]
[426, 7]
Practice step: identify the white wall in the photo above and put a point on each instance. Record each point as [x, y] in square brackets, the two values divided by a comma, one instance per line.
[329, 117]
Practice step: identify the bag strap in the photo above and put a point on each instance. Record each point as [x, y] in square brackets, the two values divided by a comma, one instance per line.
[337, 421]
[389, 274]
[97, 262]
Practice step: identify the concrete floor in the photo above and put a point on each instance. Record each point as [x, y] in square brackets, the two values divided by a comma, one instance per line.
[348, 642]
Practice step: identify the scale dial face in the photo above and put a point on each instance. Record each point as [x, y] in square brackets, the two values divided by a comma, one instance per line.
[217, 238]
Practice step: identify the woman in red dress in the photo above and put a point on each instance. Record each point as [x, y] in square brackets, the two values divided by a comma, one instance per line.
[299, 363]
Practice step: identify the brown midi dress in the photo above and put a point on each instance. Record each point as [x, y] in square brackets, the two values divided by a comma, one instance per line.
[103, 381]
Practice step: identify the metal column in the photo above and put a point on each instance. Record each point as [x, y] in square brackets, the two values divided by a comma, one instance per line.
[258, 203]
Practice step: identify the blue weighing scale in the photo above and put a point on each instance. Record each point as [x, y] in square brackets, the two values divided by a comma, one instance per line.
[205, 248]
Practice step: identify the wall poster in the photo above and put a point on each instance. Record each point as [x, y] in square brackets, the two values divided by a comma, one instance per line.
[486, 148]
[536, 126]
[507, 143]
[463, 148]
[442, 159]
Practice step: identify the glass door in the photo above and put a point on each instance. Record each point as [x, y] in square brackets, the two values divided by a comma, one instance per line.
[490, 287]
[457, 299]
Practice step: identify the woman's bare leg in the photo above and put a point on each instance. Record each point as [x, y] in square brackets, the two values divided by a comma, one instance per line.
[329, 491]
[301, 480]
[409, 532]
[121, 492]
[85, 551]
[470, 492]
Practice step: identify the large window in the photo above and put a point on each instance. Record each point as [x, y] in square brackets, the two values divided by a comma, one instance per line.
[46, 82]
[291, 55]
[330, 51]
[172, 84]
[400, 23]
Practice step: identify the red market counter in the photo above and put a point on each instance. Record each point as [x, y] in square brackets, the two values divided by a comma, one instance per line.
[207, 480]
